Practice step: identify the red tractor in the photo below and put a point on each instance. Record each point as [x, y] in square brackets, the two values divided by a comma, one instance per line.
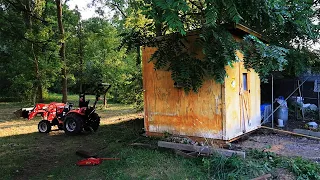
[72, 121]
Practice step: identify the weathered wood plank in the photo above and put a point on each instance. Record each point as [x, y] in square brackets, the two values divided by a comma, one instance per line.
[292, 133]
[201, 149]
[307, 132]
[184, 154]
[144, 145]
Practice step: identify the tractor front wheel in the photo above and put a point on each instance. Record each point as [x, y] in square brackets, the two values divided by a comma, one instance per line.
[73, 124]
[44, 126]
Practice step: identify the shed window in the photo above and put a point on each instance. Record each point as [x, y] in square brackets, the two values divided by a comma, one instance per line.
[245, 81]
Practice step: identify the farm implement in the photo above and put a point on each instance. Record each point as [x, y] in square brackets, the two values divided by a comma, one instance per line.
[72, 121]
[90, 159]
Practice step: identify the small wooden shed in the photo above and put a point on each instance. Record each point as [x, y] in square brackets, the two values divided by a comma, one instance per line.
[217, 111]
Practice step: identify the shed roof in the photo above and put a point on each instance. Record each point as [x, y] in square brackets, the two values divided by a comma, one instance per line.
[236, 29]
[242, 29]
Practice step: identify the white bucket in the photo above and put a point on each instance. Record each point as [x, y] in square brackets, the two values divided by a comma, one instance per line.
[280, 123]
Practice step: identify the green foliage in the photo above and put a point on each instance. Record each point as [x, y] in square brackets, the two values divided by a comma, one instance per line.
[306, 61]
[171, 11]
[29, 39]
[234, 167]
[263, 58]
[304, 169]
[186, 69]
[102, 61]
[219, 49]
[129, 91]
[174, 55]
[29, 50]
[258, 163]
[287, 25]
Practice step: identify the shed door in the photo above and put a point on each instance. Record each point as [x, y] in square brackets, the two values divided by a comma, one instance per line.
[244, 94]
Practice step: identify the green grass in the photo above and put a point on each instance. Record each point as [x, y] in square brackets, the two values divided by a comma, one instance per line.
[27, 154]
[39, 156]
[257, 163]
[54, 97]
[74, 98]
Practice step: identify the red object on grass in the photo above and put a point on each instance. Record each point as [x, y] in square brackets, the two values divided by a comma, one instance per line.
[93, 161]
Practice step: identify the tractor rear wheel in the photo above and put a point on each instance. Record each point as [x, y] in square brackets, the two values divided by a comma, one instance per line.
[94, 121]
[73, 124]
[60, 126]
[44, 126]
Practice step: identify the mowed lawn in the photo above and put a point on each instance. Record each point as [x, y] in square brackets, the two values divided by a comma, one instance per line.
[27, 154]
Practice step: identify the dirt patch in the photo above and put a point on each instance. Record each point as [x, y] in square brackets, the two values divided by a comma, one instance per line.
[294, 124]
[283, 174]
[117, 119]
[282, 144]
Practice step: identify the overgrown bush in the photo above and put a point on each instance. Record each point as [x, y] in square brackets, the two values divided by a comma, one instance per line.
[234, 167]
[258, 163]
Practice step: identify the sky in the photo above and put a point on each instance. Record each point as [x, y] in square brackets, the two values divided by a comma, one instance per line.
[86, 12]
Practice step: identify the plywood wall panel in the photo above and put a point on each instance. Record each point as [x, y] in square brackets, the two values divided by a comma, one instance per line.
[216, 111]
[170, 109]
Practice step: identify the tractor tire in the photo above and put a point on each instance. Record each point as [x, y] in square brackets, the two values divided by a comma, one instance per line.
[73, 124]
[44, 126]
[93, 122]
[60, 126]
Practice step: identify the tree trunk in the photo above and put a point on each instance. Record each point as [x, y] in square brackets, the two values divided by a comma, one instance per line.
[80, 36]
[38, 84]
[157, 24]
[158, 29]
[38, 92]
[62, 51]
[105, 103]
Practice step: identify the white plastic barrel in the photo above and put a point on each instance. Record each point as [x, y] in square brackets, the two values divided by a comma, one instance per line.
[282, 113]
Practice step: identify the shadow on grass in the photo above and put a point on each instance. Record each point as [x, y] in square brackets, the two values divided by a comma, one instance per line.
[2, 128]
[43, 156]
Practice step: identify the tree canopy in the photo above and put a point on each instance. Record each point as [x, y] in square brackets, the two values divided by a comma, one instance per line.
[30, 48]
[105, 50]
[288, 27]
